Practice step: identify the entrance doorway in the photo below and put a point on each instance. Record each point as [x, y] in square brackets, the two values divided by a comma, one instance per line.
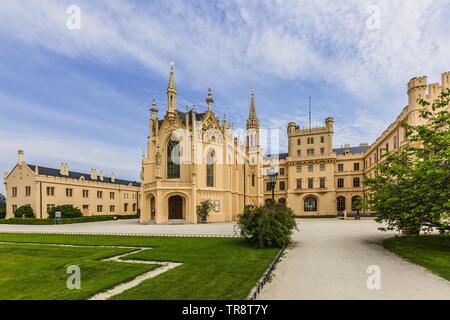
[175, 207]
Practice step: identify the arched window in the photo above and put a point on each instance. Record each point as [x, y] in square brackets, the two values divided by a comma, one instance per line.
[310, 204]
[173, 159]
[210, 169]
[340, 202]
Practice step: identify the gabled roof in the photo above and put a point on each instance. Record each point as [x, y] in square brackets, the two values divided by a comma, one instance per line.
[352, 150]
[77, 175]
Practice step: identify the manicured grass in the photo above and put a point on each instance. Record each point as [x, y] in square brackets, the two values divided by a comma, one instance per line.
[39, 272]
[431, 251]
[32, 221]
[213, 268]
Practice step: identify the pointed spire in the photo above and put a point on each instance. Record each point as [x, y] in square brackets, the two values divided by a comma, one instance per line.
[171, 92]
[252, 121]
[209, 100]
[171, 87]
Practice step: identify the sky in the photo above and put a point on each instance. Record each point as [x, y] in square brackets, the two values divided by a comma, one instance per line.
[77, 77]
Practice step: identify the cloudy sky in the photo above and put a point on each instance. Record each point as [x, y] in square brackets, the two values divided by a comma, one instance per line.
[81, 95]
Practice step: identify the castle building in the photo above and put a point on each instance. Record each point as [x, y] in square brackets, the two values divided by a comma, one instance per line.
[194, 156]
[315, 179]
[42, 188]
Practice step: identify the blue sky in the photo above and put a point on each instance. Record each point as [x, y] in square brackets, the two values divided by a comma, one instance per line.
[82, 96]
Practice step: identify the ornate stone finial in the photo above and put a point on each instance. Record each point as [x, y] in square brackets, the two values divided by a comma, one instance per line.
[193, 108]
[252, 121]
[154, 108]
[209, 100]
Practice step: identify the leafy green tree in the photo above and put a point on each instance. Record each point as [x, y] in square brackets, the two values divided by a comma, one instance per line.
[67, 211]
[267, 226]
[204, 209]
[2, 206]
[24, 212]
[411, 190]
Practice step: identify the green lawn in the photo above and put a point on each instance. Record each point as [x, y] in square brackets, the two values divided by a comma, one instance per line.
[213, 268]
[431, 252]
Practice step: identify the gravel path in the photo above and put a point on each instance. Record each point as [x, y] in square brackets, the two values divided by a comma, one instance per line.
[329, 260]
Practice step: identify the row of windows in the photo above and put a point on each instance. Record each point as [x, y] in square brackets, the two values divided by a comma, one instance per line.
[69, 193]
[310, 152]
[356, 167]
[310, 203]
[85, 193]
[356, 183]
[310, 140]
[112, 208]
[310, 183]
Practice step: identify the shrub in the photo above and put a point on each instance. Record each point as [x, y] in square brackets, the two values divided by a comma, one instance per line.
[204, 209]
[67, 211]
[270, 225]
[24, 212]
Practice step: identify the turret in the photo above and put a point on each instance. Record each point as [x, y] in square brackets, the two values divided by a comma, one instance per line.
[446, 80]
[329, 123]
[291, 127]
[417, 88]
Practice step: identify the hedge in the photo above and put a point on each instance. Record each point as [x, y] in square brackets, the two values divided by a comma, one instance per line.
[31, 221]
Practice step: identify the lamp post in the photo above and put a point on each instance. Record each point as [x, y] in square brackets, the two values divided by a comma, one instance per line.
[273, 174]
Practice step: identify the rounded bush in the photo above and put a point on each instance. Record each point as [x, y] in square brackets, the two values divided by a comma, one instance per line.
[24, 212]
[270, 225]
[67, 211]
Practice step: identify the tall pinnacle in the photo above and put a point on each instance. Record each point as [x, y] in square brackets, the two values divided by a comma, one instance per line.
[252, 121]
[209, 100]
[171, 87]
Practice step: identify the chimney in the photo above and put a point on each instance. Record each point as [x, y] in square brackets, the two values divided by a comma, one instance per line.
[101, 175]
[21, 157]
[36, 170]
[93, 174]
[113, 177]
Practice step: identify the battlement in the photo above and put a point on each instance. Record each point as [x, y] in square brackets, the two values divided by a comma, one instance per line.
[294, 129]
[417, 82]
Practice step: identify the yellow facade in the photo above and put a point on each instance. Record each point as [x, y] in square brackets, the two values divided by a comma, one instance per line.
[42, 188]
[194, 156]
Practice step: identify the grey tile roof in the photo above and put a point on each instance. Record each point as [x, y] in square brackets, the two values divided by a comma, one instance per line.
[353, 150]
[281, 156]
[77, 175]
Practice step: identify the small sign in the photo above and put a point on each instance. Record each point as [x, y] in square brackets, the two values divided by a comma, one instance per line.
[58, 214]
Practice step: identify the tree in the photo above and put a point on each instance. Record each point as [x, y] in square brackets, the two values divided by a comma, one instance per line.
[411, 189]
[67, 211]
[2, 206]
[24, 212]
[204, 209]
